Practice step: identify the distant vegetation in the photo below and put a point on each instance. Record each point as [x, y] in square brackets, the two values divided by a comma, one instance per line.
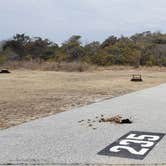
[145, 48]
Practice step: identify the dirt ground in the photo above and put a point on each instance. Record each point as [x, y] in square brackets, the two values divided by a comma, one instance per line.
[27, 95]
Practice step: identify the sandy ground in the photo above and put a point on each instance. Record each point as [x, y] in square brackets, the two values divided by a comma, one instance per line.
[28, 95]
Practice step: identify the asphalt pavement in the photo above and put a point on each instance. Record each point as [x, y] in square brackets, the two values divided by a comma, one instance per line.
[77, 138]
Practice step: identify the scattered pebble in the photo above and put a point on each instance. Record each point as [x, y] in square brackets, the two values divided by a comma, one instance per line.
[80, 121]
[115, 119]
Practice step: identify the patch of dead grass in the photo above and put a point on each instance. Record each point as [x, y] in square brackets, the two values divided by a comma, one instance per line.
[27, 95]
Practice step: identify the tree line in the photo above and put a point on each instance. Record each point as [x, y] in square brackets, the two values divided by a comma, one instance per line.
[144, 48]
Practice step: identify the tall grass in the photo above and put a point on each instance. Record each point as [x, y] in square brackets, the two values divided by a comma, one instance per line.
[49, 66]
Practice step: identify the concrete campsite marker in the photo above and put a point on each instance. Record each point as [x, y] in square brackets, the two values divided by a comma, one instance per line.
[134, 145]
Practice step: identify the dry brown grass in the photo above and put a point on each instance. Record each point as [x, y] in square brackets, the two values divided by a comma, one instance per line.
[27, 95]
[49, 66]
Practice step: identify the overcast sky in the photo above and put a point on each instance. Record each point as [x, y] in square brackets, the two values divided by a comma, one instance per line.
[92, 19]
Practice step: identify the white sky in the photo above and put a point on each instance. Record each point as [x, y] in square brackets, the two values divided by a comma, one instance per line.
[92, 19]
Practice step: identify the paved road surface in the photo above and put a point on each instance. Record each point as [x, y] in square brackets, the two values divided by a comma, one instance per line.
[61, 140]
